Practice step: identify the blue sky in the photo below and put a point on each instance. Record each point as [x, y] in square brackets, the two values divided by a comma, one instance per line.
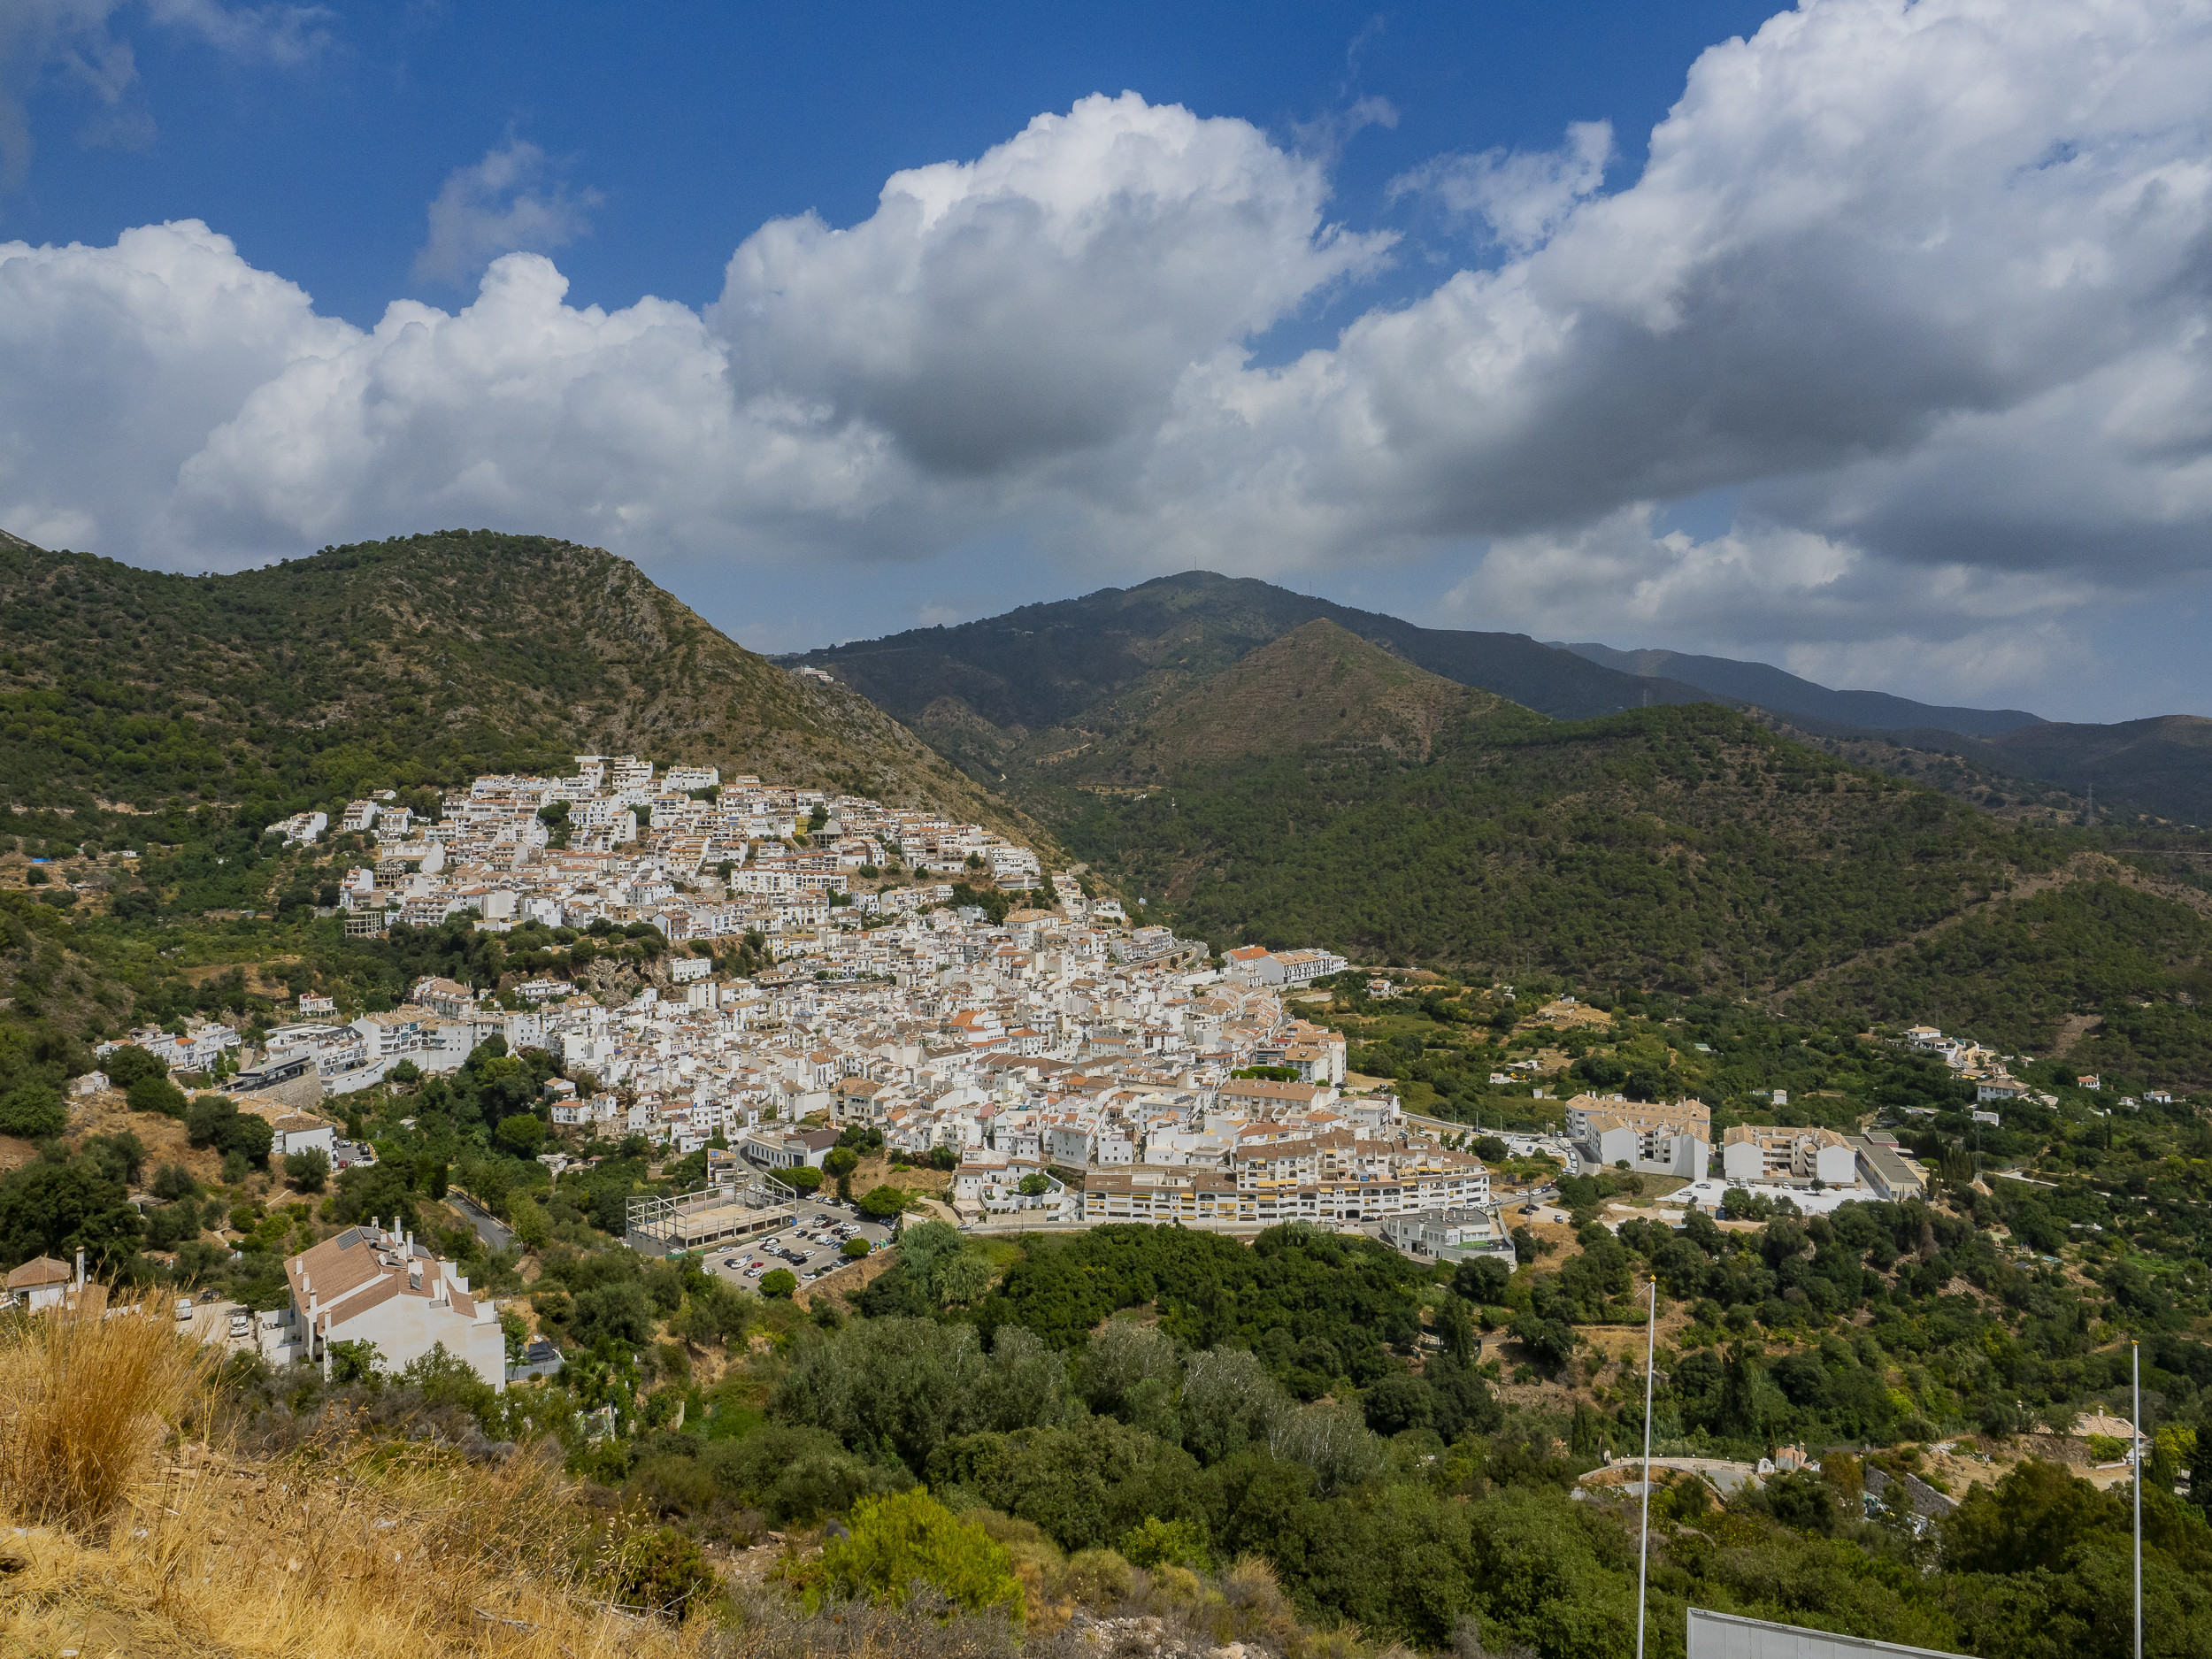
[1866, 338]
[697, 122]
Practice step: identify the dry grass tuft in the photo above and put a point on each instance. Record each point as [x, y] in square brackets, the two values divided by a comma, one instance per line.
[85, 1403]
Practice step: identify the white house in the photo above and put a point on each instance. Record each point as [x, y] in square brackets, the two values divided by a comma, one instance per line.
[369, 1285]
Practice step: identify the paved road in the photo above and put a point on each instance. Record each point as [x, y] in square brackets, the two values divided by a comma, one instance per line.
[813, 1215]
[496, 1236]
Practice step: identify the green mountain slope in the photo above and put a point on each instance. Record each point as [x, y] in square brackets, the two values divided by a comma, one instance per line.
[1037, 682]
[2162, 766]
[422, 659]
[1318, 687]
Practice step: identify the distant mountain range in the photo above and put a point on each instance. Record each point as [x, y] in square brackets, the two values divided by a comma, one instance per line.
[1782, 693]
[2162, 766]
[1020, 689]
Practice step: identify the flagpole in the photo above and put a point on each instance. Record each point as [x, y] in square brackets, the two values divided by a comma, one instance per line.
[1643, 1544]
[2135, 1451]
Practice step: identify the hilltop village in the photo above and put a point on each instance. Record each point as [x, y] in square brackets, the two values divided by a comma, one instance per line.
[1070, 1065]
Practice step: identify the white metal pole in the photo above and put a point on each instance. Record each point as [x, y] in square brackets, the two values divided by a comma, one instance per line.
[2135, 1451]
[1643, 1544]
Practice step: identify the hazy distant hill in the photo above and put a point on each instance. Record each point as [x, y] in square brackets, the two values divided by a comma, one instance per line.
[1011, 690]
[2162, 766]
[422, 659]
[1786, 694]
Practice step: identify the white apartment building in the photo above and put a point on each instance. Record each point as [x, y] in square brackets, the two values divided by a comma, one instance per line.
[1770, 1153]
[1654, 1138]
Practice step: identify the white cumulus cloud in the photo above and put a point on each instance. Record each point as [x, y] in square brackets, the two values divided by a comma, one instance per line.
[1926, 287]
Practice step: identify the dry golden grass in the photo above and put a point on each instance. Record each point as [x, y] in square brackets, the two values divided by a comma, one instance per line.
[367, 1553]
[132, 1542]
[85, 1401]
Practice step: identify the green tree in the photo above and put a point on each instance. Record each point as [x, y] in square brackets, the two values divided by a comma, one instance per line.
[618, 1312]
[48, 1209]
[532, 1225]
[156, 1094]
[522, 1134]
[174, 1180]
[854, 1248]
[309, 1169]
[35, 1111]
[841, 1162]
[883, 1202]
[779, 1285]
[805, 1179]
[908, 1539]
[131, 1065]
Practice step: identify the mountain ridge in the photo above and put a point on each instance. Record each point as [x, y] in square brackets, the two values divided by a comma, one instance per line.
[1784, 693]
[1045, 678]
[416, 659]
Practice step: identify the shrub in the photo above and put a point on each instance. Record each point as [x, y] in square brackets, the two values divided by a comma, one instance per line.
[1153, 1542]
[780, 1283]
[156, 1094]
[660, 1570]
[34, 1112]
[899, 1541]
[855, 1248]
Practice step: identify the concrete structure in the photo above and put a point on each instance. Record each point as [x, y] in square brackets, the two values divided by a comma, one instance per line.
[1769, 1152]
[1731, 1636]
[788, 1151]
[1884, 1167]
[749, 1205]
[1450, 1236]
[370, 1285]
[1655, 1138]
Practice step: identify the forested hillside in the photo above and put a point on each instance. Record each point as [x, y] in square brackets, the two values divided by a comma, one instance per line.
[1683, 849]
[999, 695]
[418, 660]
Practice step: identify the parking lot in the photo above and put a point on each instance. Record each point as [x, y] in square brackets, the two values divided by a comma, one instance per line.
[811, 1247]
[227, 1324]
